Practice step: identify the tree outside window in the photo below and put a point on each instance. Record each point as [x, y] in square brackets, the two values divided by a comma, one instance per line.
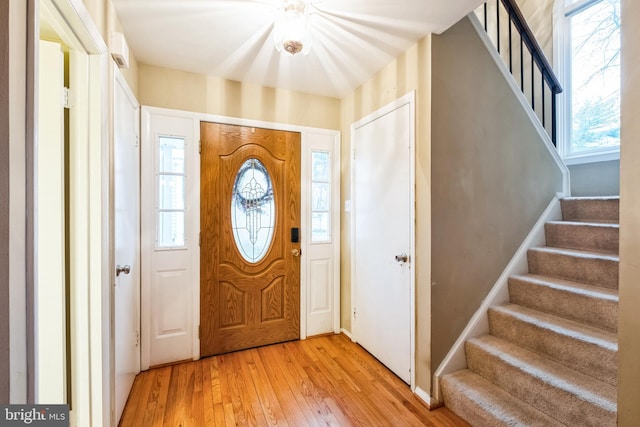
[593, 86]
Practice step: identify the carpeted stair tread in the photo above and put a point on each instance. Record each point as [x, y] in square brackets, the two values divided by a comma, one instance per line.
[483, 404]
[583, 348]
[583, 235]
[592, 268]
[568, 396]
[553, 348]
[588, 304]
[591, 209]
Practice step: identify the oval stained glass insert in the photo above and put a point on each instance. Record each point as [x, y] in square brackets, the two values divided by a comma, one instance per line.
[253, 210]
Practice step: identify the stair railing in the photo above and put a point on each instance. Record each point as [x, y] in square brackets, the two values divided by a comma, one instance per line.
[528, 68]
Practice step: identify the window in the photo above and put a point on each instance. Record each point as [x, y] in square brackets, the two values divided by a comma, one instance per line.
[320, 196]
[170, 205]
[590, 63]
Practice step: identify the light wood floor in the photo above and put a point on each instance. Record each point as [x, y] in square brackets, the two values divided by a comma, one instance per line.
[320, 381]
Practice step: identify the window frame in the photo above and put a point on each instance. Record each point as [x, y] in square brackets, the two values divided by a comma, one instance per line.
[157, 185]
[562, 60]
[329, 210]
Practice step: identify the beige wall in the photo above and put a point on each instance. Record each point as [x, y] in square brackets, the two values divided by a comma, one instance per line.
[4, 204]
[166, 88]
[103, 14]
[411, 71]
[629, 320]
[492, 177]
[539, 16]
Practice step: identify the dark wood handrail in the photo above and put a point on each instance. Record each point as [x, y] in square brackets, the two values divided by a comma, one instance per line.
[529, 39]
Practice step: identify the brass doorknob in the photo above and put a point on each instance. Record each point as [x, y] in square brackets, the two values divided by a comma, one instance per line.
[296, 252]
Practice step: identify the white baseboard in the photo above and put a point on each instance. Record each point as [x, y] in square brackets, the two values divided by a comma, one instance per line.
[499, 294]
[347, 333]
[426, 398]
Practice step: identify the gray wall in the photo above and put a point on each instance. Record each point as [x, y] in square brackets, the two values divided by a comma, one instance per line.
[492, 177]
[4, 202]
[595, 179]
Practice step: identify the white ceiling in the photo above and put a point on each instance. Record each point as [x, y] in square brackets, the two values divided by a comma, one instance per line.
[351, 39]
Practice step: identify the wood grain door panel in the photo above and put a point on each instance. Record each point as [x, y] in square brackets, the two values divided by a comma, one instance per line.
[246, 304]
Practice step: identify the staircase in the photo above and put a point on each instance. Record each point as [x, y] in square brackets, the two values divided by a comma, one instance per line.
[551, 356]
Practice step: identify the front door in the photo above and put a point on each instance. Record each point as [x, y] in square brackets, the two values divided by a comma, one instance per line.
[250, 248]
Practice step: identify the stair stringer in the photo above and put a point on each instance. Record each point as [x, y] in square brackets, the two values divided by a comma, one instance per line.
[498, 295]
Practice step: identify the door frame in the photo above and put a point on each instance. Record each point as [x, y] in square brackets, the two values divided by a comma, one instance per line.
[407, 99]
[90, 210]
[307, 134]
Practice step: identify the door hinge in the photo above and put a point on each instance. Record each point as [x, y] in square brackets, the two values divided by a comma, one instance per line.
[200, 147]
[137, 338]
[66, 98]
[354, 312]
[199, 332]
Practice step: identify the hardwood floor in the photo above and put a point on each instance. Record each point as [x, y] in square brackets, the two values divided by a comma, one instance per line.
[320, 381]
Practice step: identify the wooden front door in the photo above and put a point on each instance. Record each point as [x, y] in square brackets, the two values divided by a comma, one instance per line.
[249, 252]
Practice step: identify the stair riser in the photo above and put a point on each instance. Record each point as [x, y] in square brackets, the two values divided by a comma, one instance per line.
[592, 271]
[585, 237]
[603, 210]
[592, 311]
[485, 405]
[466, 408]
[562, 405]
[588, 358]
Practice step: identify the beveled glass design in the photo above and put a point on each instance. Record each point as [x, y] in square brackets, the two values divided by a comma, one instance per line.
[253, 210]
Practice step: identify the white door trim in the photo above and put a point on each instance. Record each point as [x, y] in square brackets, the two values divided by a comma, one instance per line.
[90, 211]
[410, 99]
[49, 260]
[306, 132]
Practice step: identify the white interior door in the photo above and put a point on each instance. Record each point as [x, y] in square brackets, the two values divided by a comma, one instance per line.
[383, 228]
[127, 242]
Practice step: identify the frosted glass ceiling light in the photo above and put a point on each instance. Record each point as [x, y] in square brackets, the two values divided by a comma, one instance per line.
[291, 27]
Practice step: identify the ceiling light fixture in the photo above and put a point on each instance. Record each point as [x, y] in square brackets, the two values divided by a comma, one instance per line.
[291, 27]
